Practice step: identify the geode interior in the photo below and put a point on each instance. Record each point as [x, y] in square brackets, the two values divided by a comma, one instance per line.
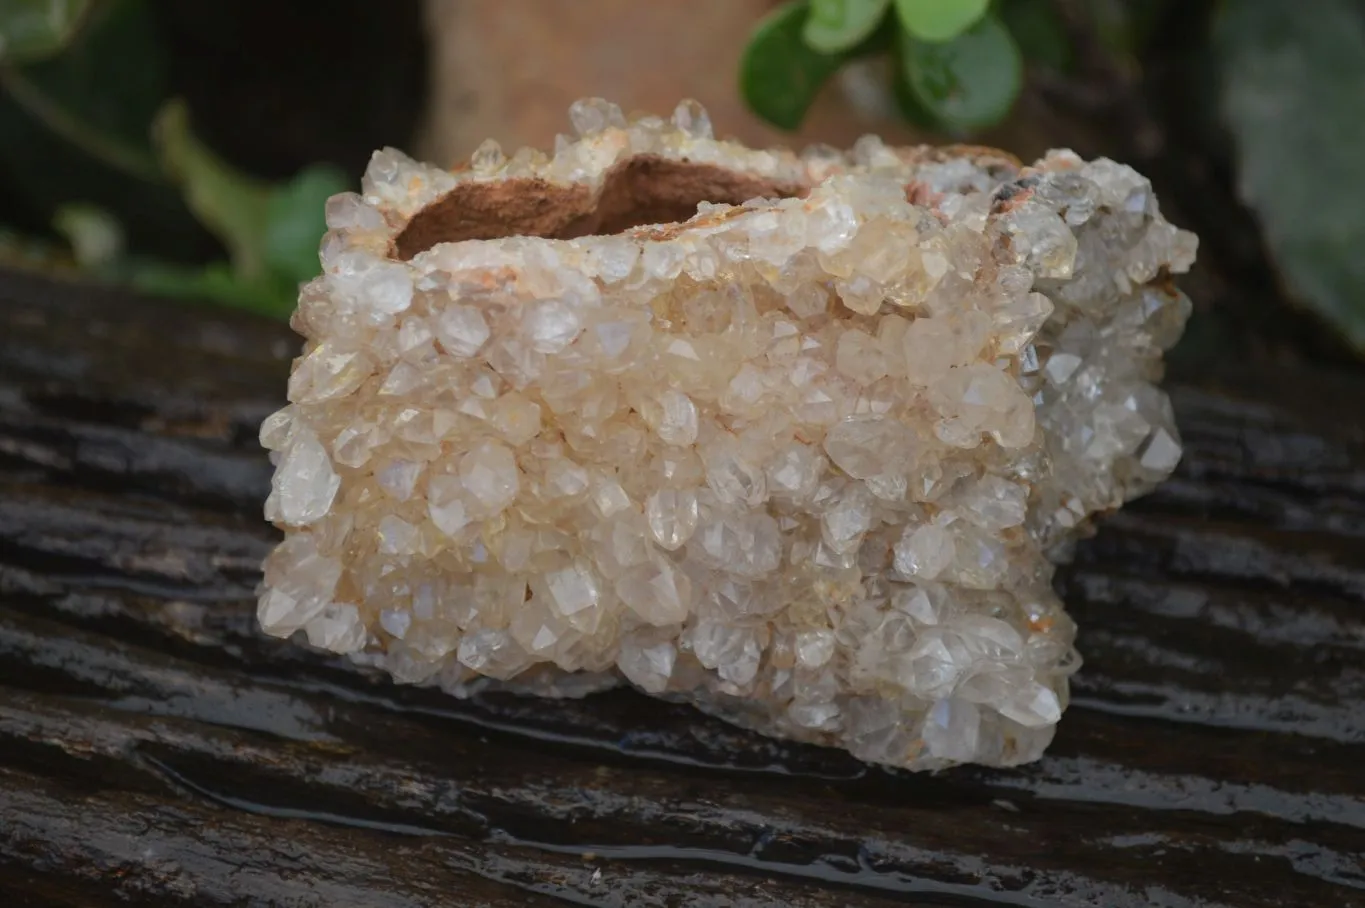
[789, 437]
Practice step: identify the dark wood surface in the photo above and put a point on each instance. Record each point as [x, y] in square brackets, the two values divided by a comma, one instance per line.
[156, 749]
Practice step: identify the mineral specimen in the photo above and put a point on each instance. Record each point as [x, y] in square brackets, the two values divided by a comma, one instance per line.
[789, 437]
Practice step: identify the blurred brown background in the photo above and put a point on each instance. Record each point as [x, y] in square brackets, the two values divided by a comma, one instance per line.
[509, 69]
[284, 93]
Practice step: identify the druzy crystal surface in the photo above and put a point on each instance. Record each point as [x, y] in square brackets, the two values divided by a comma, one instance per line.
[787, 436]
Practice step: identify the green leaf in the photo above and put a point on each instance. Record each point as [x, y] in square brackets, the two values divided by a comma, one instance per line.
[80, 133]
[295, 222]
[969, 82]
[909, 106]
[1290, 94]
[939, 20]
[234, 206]
[271, 232]
[835, 25]
[35, 29]
[1039, 32]
[779, 75]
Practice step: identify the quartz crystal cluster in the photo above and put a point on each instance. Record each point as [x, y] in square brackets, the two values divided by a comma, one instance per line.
[787, 436]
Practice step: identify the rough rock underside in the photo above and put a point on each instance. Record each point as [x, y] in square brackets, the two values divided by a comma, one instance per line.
[794, 438]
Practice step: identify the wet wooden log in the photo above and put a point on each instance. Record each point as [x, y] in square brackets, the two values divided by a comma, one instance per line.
[156, 749]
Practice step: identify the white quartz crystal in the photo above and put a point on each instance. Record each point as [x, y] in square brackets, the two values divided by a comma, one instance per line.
[799, 460]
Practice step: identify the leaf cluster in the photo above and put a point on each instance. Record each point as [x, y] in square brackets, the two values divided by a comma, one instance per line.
[959, 64]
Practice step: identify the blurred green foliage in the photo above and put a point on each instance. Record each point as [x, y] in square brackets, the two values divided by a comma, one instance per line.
[966, 83]
[271, 231]
[1292, 92]
[831, 26]
[32, 30]
[780, 73]
[959, 63]
[104, 166]
[104, 148]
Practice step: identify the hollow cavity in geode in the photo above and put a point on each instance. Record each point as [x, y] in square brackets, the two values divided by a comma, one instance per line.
[785, 436]
[644, 189]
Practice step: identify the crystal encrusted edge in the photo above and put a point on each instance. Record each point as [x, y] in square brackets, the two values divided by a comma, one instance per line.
[397, 189]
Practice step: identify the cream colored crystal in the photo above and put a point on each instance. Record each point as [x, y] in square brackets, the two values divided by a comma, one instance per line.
[798, 460]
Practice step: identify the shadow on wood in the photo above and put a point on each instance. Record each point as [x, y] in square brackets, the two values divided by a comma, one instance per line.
[155, 748]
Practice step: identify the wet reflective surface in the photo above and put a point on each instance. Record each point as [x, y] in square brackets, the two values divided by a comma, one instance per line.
[155, 747]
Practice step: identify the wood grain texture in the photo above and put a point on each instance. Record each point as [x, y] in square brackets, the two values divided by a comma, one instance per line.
[156, 749]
